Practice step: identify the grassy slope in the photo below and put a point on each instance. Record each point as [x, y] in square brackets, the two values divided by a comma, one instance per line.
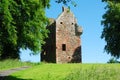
[69, 72]
[46, 72]
[8, 64]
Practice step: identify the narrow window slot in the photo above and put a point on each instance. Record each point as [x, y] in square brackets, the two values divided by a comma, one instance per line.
[63, 47]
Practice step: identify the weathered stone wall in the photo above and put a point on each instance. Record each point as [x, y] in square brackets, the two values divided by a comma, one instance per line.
[66, 35]
[63, 44]
[48, 53]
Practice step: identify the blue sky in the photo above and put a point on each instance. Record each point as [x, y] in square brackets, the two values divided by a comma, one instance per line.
[89, 15]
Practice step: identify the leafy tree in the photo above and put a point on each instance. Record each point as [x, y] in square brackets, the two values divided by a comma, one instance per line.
[22, 25]
[113, 60]
[111, 31]
[65, 2]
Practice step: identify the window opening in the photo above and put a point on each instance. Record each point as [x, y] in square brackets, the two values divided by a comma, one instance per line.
[61, 22]
[64, 47]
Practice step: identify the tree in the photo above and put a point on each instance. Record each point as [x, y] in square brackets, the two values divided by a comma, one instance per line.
[22, 25]
[111, 31]
[65, 2]
[113, 60]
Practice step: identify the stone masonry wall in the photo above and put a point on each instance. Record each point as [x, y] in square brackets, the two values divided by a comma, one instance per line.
[66, 35]
[49, 49]
[63, 44]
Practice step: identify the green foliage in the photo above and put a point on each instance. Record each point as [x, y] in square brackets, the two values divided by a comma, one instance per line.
[22, 25]
[110, 0]
[65, 2]
[111, 31]
[8, 37]
[69, 72]
[113, 60]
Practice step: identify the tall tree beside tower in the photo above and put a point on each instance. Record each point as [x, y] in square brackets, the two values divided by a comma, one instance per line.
[22, 25]
[111, 31]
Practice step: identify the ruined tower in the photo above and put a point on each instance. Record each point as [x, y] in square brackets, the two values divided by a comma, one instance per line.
[63, 44]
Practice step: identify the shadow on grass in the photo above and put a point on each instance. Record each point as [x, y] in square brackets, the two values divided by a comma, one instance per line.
[12, 78]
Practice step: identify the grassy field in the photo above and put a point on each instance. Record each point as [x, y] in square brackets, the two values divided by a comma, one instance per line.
[69, 72]
[8, 64]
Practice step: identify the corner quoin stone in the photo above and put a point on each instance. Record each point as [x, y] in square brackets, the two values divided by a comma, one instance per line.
[63, 44]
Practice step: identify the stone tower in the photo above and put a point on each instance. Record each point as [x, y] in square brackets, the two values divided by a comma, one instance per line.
[63, 44]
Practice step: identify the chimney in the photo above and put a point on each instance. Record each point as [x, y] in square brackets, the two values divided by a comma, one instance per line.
[64, 9]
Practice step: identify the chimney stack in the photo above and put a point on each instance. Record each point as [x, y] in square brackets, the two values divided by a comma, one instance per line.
[64, 9]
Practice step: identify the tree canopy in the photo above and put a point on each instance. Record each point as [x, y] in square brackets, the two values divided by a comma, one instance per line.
[22, 25]
[111, 31]
[65, 2]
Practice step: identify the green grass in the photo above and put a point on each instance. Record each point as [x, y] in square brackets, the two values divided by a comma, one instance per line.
[96, 72]
[69, 72]
[8, 64]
